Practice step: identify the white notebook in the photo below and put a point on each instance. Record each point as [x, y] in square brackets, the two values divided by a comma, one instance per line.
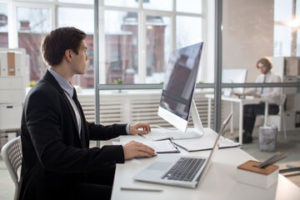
[204, 143]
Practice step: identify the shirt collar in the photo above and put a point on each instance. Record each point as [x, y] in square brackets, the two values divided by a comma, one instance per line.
[63, 83]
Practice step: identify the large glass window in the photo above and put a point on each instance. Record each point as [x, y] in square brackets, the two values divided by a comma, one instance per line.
[158, 48]
[188, 31]
[136, 36]
[189, 6]
[33, 24]
[158, 4]
[3, 25]
[82, 19]
[77, 1]
[123, 3]
[121, 46]
[282, 40]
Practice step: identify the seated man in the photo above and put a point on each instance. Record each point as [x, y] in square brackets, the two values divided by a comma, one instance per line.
[57, 161]
[271, 94]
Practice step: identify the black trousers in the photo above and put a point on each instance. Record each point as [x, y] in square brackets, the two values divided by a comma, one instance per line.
[97, 185]
[250, 113]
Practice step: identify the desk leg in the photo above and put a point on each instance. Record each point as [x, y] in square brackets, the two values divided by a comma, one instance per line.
[241, 114]
[231, 123]
[209, 112]
[266, 113]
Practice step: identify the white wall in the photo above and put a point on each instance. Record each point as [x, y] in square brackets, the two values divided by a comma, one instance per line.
[247, 33]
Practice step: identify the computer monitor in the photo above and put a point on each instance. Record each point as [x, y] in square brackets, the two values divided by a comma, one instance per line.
[233, 76]
[176, 102]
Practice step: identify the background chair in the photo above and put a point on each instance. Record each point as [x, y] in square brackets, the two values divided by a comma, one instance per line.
[278, 119]
[12, 156]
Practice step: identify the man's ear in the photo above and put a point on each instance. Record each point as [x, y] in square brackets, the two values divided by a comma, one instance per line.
[68, 55]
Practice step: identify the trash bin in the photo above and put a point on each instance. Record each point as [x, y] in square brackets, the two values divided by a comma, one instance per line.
[267, 136]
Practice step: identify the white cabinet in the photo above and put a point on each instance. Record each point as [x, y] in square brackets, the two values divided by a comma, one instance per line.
[10, 116]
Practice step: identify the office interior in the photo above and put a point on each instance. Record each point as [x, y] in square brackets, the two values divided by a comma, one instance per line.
[124, 80]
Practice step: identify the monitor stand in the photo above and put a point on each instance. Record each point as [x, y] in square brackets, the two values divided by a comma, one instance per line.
[195, 132]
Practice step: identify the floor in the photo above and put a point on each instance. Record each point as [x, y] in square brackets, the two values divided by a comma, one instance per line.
[290, 146]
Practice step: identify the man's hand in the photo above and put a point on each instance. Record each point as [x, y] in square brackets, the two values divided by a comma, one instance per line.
[136, 149]
[139, 128]
[257, 95]
[239, 95]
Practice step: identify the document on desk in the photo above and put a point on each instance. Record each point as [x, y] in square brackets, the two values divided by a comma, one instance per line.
[204, 143]
[164, 146]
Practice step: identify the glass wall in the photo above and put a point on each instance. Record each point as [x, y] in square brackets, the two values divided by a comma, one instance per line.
[253, 30]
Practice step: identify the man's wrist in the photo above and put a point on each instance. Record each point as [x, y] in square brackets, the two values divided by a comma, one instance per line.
[128, 129]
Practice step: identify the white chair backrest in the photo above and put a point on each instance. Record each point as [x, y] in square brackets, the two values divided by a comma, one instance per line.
[281, 103]
[12, 157]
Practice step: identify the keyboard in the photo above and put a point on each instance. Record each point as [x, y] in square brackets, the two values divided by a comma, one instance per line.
[185, 169]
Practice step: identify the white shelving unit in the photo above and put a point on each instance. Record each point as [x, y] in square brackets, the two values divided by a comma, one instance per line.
[288, 68]
[12, 90]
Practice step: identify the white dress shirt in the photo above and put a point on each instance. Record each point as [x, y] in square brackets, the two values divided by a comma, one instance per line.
[272, 94]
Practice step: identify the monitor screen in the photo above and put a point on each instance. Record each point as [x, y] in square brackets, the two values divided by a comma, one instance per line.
[180, 80]
[233, 76]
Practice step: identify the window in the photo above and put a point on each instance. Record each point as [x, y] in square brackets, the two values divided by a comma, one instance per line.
[77, 1]
[82, 19]
[189, 6]
[145, 38]
[32, 25]
[186, 36]
[158, 4]
[122, 3]
[158, 48]
[283, 28]
[3, 26]
[136, 36]
[121, 46]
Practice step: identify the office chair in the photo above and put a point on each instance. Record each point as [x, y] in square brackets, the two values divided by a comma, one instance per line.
[276, 119]
[12, 156]
[280, 115]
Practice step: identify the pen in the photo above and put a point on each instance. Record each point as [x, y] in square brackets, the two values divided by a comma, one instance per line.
[140, 189]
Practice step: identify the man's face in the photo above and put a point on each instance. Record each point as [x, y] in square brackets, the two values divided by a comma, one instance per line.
[263, 69]
[79, 61]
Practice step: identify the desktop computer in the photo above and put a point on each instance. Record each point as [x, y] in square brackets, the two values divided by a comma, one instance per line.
[233, 76]
[176, 104]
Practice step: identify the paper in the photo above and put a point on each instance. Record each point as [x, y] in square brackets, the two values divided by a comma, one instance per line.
[204, 143]
[164, 146]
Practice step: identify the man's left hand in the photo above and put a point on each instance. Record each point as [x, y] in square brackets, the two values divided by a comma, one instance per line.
[139, 128]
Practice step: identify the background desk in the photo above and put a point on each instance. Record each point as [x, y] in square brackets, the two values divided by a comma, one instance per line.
[219, 183]
[241, 103]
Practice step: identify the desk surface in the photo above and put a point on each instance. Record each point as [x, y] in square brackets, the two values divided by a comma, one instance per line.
[219, 183]
[238, 100]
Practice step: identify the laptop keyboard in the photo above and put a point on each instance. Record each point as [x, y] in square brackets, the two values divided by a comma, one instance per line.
[185, 169]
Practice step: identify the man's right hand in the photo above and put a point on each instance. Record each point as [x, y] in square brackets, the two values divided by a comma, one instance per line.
[136, 149]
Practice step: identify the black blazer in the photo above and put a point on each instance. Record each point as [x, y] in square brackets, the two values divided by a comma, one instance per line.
[55, 158]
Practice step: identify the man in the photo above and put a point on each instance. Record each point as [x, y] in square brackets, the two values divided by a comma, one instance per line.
[57, 161]
[271, 94]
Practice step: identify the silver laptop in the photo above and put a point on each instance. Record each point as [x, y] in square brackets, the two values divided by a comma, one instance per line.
[181, 171]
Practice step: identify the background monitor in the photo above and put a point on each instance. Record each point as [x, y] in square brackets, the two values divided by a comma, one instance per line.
[179, 85]
[233, 76]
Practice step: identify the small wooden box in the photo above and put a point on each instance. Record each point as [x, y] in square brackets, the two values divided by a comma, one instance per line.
[249, 173]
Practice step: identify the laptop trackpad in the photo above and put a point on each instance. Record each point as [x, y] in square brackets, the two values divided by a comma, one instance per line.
[159, 165]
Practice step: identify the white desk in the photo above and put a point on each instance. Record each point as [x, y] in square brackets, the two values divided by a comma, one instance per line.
[219, 183]
[241, 103]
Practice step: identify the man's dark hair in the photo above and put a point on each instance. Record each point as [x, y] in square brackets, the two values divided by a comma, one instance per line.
[58, 41]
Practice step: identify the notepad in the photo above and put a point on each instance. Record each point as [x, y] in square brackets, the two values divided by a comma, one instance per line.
[204, 143]
[164, 146]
